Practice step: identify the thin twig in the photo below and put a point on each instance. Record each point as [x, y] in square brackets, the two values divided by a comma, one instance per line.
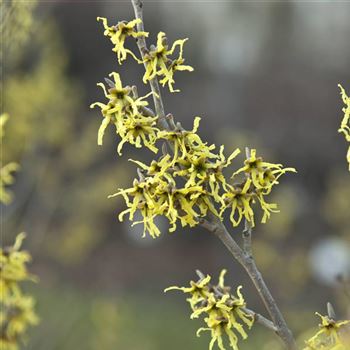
[261, 320]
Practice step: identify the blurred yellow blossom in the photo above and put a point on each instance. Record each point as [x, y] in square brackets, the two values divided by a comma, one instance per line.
[16, 315]
[17, 310]
[16, 25]
[13, 267]
[7, 178]
[6, 171]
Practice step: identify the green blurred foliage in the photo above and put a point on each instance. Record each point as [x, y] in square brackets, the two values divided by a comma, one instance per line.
[58, 151]
[16, 26]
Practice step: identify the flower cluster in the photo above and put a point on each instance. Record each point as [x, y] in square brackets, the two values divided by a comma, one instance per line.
[17, 310]
[124, 110]
[259, 179]
[345, 123]
[181, 187]
[329, 336]
[186, 182]
[224, 312]
[157, 60]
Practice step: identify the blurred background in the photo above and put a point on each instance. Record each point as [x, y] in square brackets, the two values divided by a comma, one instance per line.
[266, 76]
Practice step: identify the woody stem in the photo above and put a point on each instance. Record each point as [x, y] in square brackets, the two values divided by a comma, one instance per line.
[246, 259]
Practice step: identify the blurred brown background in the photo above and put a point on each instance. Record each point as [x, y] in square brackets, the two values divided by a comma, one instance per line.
[266, 76]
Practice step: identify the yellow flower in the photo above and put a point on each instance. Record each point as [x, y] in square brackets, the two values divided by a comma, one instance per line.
[176, 65]
[345, 123]
[185, 142]
[13, 267]
[158, 63]
[199, 168]
[139, 131]
[239, 200]
[264, 175]
[180, 203]
[123, 111]
[224, 311]
[158, 169]
[199, 290]
[260, 177]
[142, 194]
[328, 337]
[118, 35]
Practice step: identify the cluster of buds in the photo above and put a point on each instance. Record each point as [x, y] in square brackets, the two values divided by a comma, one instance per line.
[17, 310]
[157, 60]
[345, 123]
[333, 335]
[224, 313]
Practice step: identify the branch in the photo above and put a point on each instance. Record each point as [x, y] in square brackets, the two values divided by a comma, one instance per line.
[214, 225]
[261, 320]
